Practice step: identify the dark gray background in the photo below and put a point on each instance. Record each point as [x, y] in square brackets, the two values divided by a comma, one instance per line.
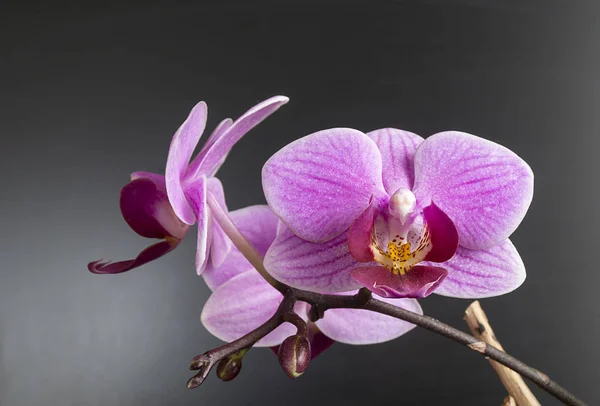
[92, 92]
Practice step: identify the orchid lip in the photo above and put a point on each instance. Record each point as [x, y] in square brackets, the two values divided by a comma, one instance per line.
[399, 248]
[398, 253]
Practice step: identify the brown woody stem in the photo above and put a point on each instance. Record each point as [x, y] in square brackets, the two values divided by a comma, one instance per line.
[320, 303]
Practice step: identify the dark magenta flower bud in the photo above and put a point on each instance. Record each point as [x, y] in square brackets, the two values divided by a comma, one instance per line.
[229, 368]
[294, 355]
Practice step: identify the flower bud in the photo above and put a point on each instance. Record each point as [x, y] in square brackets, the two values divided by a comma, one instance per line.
[196, 381]
[229, 368]
[294, 355]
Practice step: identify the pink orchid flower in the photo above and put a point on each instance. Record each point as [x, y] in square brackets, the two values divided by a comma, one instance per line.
[401, 205]
[164, 207]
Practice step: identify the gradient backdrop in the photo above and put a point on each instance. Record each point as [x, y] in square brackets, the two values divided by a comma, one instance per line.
[92, 92]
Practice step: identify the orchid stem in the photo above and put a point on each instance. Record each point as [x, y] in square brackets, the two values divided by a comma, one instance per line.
[361, 301]
[320, 303]
[205, 362]
[241, 243]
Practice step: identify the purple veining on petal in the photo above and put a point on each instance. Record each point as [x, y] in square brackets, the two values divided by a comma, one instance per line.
[320, 267]
[397, 153]
[318, 185]
[460, 172]
[483, 273]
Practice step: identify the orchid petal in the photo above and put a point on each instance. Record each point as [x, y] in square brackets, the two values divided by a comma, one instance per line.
[149, 254]
[182, 147]
[145, 207]
[318, 185]
[235, 264]
[419, 281]
[193, 168]
[397, 149]
[196, 194]
[474, 274]
[215, 153]
[242, 304]
[357, 326]
[318, 267]
[483, 187]
[258, 225]
[220, 245]
[443, 234]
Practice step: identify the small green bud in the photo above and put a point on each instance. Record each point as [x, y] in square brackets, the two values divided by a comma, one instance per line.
[229, 368]
[294, 355]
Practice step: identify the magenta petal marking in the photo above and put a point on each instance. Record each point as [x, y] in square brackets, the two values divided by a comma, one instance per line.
[182, 147]
[483, 187]
[319, 267]
[397, 154]
[140, 200]
[318, 185]
[194, 167]
[419, 281]
[242, 304]
[149, 254]
[359, 235]
[474, 274]
[215, 153]
[444, 237]
[355, 326]
[196, 194]
[145, 207]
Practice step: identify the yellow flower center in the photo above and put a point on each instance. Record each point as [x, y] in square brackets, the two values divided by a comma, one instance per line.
[399, 258]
